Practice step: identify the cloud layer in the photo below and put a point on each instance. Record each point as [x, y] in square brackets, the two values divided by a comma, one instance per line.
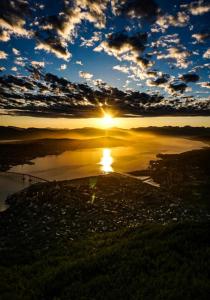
[43, 94]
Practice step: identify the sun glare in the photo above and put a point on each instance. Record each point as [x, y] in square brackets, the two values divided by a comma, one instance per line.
[106, 161]
[108, 121]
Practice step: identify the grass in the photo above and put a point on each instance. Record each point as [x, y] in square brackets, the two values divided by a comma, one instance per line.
[150, 262]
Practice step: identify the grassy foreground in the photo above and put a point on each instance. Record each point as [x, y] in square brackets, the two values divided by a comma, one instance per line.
[149, 262]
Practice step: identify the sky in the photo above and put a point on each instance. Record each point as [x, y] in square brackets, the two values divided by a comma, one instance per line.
[78, 58]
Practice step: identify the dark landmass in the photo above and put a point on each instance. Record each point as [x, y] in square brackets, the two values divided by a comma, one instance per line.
[111, 236]
[198, 133]
[185, 175]
[16, 133]
[16, 153]
[34, 142]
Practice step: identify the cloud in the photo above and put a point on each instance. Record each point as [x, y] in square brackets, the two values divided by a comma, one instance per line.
[207, 53]
[190, 77]
[53, 96]
[14, 69]
[179, 54]
[143, 62]
[181, 19]
[4, 35]
[78, 62]
[40, 64]
[166, 41]
[94, 11]
[122, 69]
[55, 45]
[136, 9]
[91, 42]
[136, 51]
[56, 31]
[174, 87]
[20, 61]
[205, 84]
[63, 67]
[123, 46]
[12, 18]
[16, 51]
[159, 81]
[199, 7]
[85, 75]
[3, 55]
[201, 37]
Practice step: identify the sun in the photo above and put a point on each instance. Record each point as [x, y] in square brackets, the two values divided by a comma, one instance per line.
[108, 121]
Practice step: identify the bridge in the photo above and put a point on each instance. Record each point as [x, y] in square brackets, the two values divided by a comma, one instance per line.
[147, 179]
[26, 177]
[31, 178]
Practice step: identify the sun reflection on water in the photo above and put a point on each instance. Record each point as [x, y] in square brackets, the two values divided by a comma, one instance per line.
[106, 161]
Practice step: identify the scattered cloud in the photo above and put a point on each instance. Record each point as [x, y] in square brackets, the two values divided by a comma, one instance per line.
[179, 54]
[159, 81]
[55, 45]
[201, 37]
[12, 18]
[40, 64]
[136, 9]
[205, 84]
[190, 77]
[16, 51]
[3, 55]
[122, 69]
[55, 96]
[181, 19]
[175, 87]
[207, 53]
[199, 7]
[91, 42]
[123, 46]
[85, 75]
[78, 62]
[14, 69]
[4, 35]
[63, 67]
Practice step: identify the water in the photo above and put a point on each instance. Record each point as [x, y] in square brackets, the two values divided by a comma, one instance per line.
[95, 161]
[9, 184]
[87, 162]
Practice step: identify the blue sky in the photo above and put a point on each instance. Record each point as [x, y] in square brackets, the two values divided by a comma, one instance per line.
[96, 41]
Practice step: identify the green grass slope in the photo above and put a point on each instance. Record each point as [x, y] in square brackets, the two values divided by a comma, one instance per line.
[150, 262]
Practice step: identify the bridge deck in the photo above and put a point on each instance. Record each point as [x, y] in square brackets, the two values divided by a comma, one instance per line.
[26, 175]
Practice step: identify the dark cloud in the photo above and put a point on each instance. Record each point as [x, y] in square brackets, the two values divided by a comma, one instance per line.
[143, 62]
[135, 8]
[52, 43]
[190, 77]
[51, 96]
[177, 87]
[13, 18]
[120, 40]
[125, 47]
[161, 80]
